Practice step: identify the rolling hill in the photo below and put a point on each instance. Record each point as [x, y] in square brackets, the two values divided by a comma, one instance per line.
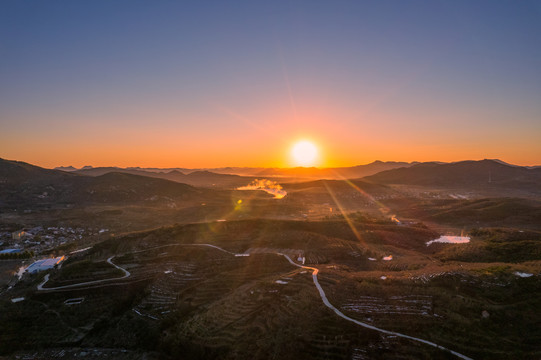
[18, 172]
[25, 185]
[200, 178]
[483, 173]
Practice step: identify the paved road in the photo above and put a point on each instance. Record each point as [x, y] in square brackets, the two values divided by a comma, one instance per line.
[342, 315]
[126, 272]
[94, 282]
[315, 272]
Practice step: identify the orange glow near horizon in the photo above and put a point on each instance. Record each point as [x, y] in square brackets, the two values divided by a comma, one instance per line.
[354, 139]
[252, 152]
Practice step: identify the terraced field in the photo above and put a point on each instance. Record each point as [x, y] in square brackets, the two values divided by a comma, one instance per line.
[197, 301]
[418, 305]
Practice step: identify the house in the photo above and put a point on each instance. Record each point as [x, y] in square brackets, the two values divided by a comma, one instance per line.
[18, 235]
[10, 251]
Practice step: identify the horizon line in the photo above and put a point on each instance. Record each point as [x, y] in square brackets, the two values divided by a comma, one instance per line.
[291, 167]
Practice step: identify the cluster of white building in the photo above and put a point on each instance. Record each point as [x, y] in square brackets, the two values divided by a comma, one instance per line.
[44, 264]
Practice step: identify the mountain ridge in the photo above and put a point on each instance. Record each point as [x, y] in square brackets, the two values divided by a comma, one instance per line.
[23, 183]
[463, 173]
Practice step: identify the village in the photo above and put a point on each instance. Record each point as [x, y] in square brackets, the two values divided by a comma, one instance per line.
[47, 246]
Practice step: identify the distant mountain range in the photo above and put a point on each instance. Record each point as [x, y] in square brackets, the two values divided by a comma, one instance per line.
[428, 173]
[327, 173]
[21, 182]
[177, 174]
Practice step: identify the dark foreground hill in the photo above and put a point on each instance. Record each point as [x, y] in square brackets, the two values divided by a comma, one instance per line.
[180, 299]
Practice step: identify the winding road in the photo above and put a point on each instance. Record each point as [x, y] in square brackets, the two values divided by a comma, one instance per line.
[126, 272]
[315, 272]
[94, 282]
[368, 326]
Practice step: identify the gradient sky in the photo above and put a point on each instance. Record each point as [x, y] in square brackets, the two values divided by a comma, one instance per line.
[230, 83]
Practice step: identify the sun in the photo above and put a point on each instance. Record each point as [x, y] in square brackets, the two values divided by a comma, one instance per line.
[304, 153]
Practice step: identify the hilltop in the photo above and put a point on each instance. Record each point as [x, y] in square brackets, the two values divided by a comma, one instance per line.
[483, 174]
[29, 186]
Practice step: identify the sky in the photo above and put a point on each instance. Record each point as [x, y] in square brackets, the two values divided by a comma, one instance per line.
[237, 83]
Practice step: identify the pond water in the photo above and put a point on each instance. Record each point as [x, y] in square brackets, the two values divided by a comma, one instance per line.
[450, 240]
[20, 272]
[522, 274]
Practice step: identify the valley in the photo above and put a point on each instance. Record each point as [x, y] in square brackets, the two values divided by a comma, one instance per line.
[334, 270]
